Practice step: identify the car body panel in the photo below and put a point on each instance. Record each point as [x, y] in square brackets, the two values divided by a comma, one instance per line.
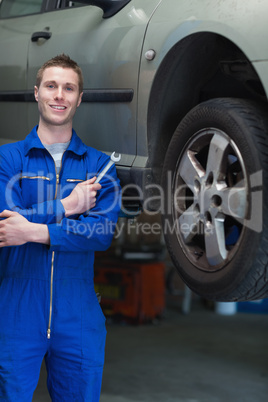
[234, 20]
[242, 21]
[108, 51]
[261, 67]
[14, 34]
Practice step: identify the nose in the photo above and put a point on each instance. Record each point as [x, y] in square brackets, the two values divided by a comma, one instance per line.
[59, 93]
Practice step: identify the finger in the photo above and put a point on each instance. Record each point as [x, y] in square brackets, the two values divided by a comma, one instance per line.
[92, 204]
[6, 213]
[89, 181]
[93, 194]
[96, 186]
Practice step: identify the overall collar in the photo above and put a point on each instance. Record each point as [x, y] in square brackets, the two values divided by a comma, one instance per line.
[33, 141]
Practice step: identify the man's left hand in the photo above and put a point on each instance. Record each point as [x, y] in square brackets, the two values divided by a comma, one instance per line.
[13, 229]
[16, 230]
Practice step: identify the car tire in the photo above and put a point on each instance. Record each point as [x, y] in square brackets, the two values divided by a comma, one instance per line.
[214, 218]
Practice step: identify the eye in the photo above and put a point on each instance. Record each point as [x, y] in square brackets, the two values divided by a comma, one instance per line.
[50, 86]
[69, 88]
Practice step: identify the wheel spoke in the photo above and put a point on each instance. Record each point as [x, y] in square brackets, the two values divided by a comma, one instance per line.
[190, 169]
[215, 242]
[216, 154]
[234, 202]
[188, 224]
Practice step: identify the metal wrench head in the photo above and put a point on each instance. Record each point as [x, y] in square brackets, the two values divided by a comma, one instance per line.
[115, 158]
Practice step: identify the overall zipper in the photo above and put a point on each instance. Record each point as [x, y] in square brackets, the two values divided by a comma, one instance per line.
[51, 296]
[52, 258]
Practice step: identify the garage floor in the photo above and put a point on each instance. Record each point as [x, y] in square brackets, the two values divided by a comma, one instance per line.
[200, 357]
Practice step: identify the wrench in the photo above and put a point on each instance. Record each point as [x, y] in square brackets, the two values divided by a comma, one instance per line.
[107, 167]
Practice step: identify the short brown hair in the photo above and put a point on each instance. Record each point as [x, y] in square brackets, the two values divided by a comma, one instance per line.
[63, 61]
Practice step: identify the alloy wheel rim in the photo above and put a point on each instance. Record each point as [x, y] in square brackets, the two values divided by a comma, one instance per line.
[210, 199]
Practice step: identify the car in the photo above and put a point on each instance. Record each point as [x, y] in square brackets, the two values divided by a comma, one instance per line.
[179, 89]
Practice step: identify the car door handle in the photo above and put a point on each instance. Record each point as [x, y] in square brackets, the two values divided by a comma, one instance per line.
[40, 35]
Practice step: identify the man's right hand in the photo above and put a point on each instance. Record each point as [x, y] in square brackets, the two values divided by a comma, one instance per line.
[82, 197]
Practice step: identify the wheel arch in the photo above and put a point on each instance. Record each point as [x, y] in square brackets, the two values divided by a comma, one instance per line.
[200, 67]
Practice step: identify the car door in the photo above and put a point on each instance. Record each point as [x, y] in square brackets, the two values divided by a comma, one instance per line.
[16, 20]
[108, 51]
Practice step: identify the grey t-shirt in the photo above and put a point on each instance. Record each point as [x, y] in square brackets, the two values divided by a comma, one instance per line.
[56, 151]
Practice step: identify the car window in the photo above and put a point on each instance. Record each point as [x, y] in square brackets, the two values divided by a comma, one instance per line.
[16, 8]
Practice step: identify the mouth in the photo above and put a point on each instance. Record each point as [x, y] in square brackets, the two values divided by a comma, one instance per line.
[57, 107]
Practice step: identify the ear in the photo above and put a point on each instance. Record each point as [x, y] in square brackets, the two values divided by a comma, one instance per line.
[36, 93]
[79, 99]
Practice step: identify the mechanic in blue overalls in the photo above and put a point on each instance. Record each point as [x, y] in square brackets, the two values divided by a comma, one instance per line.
[53, 218]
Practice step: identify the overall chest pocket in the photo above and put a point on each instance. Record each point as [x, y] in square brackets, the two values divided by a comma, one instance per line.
[36, 189]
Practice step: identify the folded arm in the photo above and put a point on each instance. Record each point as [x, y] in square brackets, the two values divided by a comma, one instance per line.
[83, 220]
[16, 230]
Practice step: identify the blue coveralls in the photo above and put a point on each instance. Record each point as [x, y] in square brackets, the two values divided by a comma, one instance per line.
[48, 306]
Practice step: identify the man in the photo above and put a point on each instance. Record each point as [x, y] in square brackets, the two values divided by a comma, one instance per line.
[53, 219]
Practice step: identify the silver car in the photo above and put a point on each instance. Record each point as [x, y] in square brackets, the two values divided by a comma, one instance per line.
[179, 88]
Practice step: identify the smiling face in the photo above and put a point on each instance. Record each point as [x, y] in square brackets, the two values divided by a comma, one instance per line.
[58, 97]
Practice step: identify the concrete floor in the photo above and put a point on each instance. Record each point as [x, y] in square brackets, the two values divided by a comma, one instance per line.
[200, 357]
